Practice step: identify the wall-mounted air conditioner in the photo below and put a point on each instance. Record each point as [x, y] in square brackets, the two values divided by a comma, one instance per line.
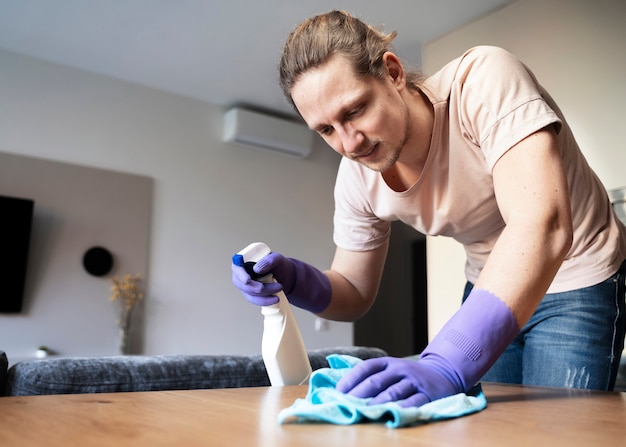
[267, 132]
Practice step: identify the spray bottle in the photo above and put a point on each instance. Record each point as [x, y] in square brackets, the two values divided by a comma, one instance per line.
[284, 354]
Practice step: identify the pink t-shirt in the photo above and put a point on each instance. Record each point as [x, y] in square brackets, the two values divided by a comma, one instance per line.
[484, 103]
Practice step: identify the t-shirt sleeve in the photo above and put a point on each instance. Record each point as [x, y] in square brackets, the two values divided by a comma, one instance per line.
[500, 101]
[356, 227]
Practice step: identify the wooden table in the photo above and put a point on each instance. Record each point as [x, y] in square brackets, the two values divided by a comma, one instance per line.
[244, 417]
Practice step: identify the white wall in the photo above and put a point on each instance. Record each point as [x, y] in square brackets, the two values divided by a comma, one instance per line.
[210, 198]
[576, 49]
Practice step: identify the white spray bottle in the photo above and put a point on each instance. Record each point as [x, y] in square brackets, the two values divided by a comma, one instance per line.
[284, 354]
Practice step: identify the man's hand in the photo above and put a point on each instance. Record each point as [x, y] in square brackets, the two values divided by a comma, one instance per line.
[304, 285]
[465, 348]
[256, 292]
[411, 383]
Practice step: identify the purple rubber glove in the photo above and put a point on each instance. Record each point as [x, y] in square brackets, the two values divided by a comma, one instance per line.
[304, 285]
[465, 348]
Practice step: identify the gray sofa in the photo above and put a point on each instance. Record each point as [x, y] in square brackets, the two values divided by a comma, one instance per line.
[76, 375]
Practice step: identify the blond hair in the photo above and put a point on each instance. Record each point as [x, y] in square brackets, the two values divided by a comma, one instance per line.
[318, 38]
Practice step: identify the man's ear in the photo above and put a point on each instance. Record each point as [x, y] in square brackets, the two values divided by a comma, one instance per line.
[394, 68]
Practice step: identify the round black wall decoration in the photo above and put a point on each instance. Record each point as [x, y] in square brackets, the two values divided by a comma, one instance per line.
[98, 261]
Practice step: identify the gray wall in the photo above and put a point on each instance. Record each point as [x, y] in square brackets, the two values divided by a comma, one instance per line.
[76, 208]
[209, 200]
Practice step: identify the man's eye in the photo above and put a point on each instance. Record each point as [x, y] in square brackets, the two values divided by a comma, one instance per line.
[354, 112]
[326, 130]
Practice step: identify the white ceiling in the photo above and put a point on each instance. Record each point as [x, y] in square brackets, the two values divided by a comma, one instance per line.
[220, 51]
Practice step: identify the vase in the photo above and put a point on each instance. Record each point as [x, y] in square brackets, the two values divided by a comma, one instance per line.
[123, 341]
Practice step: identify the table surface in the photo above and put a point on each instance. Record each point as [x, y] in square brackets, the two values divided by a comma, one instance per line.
[515, 416]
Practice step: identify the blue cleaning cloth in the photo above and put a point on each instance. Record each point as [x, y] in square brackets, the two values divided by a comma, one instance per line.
[324, 403]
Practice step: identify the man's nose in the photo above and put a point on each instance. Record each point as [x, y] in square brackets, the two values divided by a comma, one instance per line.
[351, 139]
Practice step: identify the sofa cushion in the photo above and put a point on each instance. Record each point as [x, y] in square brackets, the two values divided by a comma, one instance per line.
[76, 375]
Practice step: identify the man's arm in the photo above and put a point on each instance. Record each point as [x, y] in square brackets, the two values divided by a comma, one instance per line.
[533, 197]
[343, 293]
[354, 277]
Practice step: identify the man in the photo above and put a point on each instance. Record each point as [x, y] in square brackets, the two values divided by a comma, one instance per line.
[478, 152]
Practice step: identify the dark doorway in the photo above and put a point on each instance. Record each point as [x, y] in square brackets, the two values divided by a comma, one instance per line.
[398, 320]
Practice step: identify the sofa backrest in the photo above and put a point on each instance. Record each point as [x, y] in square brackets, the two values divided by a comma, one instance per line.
[76, 375]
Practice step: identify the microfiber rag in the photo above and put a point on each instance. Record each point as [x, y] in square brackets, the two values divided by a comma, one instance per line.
[324, 403]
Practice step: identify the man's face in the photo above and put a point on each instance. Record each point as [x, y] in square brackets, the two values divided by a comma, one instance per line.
[362, 118]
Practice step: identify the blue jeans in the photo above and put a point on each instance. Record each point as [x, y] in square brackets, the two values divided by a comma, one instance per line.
[574, 339]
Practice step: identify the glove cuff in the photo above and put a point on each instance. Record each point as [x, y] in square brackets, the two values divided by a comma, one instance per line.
[311, 288]
[473, 339]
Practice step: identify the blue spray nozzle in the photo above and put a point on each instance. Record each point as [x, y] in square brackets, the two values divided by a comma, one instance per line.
[249, 266]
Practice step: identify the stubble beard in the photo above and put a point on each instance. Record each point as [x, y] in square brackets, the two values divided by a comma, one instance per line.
[391, 157]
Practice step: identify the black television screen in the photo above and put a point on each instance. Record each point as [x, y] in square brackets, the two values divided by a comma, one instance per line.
[16, 218]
